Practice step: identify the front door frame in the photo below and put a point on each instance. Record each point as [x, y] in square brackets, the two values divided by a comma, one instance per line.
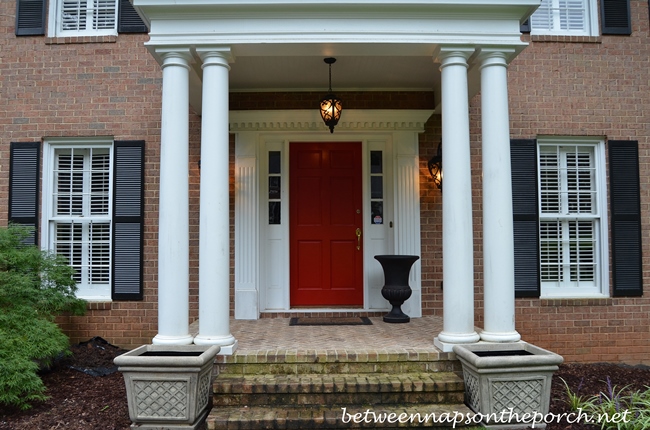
[259, 289]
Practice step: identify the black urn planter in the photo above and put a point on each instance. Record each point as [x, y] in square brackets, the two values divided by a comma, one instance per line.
[396, 284]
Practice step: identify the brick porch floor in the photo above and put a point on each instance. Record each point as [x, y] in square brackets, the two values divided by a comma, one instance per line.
[268, 334]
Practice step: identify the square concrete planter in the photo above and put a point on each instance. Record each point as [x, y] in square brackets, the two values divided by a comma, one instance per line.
[168, 386]
[500, 377]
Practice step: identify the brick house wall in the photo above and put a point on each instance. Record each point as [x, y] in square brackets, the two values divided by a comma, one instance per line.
[589, 87]
[111, 86]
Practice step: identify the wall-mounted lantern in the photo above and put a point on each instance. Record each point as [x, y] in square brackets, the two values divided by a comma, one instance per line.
[435, 167]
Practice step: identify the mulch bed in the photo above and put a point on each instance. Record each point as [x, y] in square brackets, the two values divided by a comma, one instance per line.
[81, 401]
[78, 400]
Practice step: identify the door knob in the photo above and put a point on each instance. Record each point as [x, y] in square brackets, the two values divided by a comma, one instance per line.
[358, 239]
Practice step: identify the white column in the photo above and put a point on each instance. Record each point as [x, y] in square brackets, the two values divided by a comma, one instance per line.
[498, 239]
[173, 218]
[457, 233]
[214, 227]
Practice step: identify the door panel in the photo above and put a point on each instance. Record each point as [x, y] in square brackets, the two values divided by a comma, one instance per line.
[325, 194]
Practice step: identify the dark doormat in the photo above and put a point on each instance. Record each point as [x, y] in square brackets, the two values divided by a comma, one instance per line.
[330, 321]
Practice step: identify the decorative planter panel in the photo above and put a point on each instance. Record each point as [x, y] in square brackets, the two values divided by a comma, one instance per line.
[168, 386]
[503, 377]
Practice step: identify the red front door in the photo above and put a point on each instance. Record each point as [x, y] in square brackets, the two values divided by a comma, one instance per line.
[325, 212]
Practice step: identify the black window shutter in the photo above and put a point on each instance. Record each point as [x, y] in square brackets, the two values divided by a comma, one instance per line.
[24, 176]
[525, 27]
[615, 17]
[128, 220]
[625, 209]
[128, 19]
[30, 17]
[523, 155]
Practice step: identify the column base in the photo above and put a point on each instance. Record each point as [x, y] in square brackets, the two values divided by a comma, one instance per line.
[172, 340]
[228, 344]
[446, 342]
[500, 337]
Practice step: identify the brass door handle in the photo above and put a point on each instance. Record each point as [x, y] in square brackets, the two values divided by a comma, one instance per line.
[358, 239]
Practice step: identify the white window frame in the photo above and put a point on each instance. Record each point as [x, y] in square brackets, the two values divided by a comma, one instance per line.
[85, 290]
[55, 19]
[600, 286]
[590, 18]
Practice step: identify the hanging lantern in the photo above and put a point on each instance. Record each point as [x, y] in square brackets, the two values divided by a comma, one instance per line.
[330, 105]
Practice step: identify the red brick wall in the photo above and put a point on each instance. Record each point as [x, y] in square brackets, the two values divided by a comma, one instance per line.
[599, 88]
[108, 86]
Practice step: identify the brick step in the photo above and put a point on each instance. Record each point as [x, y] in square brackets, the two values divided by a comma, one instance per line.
[318, 389]
[335, 362]
[330, 417]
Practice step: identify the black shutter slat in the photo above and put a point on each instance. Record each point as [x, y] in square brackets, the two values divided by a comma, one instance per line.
[128, 220]
[24, 176]
[30, 17]
[128, 19]
[525, 27]
[615, 17]
[625, 209]
[523, 155]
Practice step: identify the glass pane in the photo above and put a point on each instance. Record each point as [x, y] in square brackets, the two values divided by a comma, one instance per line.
[69, 178]
[582, 250]
[550, 236]
[579, 183]
[376, 187]
[99, 253]
[274, 212]
[99, 181]
[275, 162]
[68, 243]
[549, 177]
[377, 212]
[376, 162]
[274, 187]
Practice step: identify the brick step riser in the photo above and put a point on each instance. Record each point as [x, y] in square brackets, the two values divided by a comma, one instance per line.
[391, 367]
[345, 399]
[313, 424]
[312, 385]
[330, 417]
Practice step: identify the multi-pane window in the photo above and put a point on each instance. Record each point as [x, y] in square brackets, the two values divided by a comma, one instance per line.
[80, 214]
[565, 17]
[570, 217]
[85, 17]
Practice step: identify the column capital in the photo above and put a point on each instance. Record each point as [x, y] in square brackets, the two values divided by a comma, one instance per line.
[215, 55]
[451, 54]
[175, 55]
[495, 56]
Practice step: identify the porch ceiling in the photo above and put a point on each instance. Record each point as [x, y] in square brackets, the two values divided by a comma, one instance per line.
[349, 73]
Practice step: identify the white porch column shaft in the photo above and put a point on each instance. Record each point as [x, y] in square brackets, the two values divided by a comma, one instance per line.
[214, 228]
[173, 224]
[498, 238]
[457, 232]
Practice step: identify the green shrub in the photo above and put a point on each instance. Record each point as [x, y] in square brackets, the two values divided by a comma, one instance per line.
[35, 287]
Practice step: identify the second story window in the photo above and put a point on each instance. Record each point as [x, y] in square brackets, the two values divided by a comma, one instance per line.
[565, 17]
[85, 17]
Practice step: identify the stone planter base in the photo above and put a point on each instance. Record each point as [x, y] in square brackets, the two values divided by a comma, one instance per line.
[168, 386]
[512, 377]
